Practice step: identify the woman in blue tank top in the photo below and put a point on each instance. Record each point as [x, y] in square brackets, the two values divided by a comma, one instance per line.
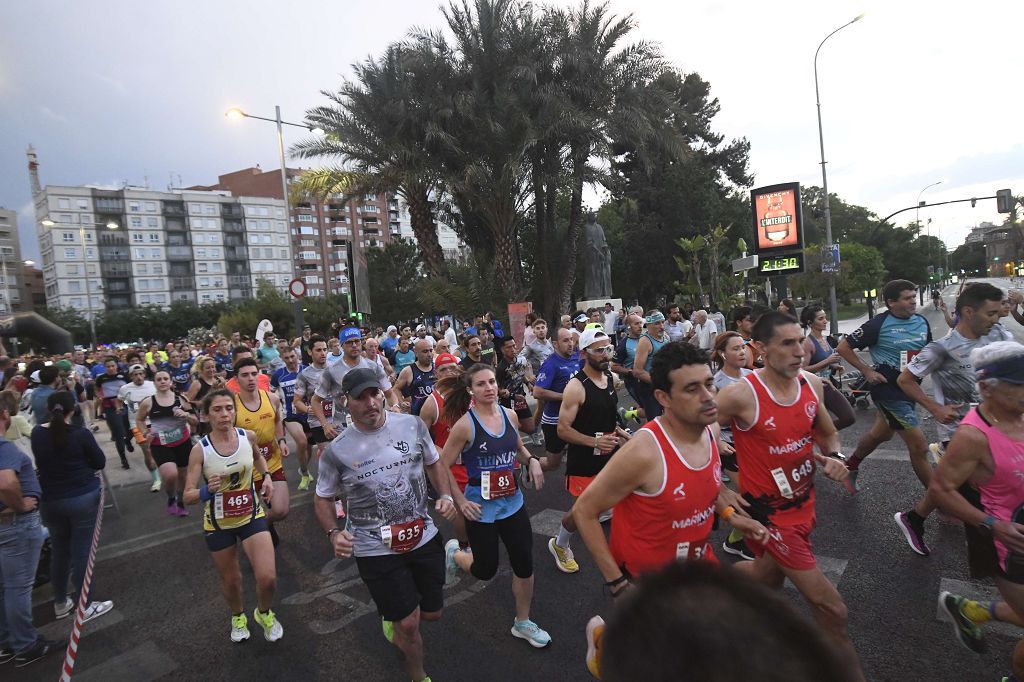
[818, 358]
[487, 436]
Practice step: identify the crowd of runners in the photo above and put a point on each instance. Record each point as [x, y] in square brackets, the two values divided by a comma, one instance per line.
[668, 422]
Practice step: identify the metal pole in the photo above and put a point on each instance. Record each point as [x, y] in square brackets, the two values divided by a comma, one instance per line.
[833, 307]
[88, 297]
[7, 286]
[287, 205]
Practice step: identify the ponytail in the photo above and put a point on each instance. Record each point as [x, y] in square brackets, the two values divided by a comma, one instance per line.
[60, 404]
[457, 398]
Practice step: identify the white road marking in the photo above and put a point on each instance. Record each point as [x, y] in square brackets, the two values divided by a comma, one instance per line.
[547, 522]
[832, 568]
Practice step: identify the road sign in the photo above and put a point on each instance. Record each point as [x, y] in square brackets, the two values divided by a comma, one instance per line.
[830, 258]
[297, 288]
[746, 263]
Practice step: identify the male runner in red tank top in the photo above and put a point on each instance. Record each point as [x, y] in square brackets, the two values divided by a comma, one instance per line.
[776, 420]
[665, 484]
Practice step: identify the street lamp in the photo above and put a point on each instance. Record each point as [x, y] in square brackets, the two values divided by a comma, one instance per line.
[833, 307]
[235, 113]
[917, 216]
[110, 225]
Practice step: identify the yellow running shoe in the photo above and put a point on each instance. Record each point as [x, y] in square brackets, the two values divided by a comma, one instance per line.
[305, 481]
[595, 630]
[239, 628]
[389, 630]
[272, 629]
[564, 559]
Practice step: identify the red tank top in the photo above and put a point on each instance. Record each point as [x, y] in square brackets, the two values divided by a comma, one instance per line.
[440, 430]
[776, 452]
[652, 531]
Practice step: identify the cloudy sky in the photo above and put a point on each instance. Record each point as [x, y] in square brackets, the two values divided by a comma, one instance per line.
[914, 93]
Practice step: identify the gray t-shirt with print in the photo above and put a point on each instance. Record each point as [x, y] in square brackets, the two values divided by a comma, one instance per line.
[381, 474]
[948, 361]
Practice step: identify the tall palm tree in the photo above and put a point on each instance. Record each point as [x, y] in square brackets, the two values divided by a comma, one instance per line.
[379, 126]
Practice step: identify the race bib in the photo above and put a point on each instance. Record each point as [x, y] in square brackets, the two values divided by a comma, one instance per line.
[171, 436]
[906, 356]
[519, 403]
[691, 550]
[264, 450]
[328, 407]
[233, 504]
[497, 484]
[796, 478]
[401, 537]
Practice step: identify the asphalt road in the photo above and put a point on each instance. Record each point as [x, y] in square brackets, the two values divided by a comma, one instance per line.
[170, 621]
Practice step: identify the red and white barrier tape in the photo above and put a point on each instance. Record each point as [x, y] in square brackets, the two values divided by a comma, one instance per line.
[76, 631]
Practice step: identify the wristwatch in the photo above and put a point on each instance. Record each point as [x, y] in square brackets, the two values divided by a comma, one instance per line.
[837, 455]
[987, 523]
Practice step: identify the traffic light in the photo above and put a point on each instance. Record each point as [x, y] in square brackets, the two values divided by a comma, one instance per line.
[1004, 201]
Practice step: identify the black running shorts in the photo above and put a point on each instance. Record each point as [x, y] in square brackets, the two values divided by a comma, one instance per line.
[398, 583]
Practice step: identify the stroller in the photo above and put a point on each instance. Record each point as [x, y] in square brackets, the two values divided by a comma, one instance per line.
[854, 388]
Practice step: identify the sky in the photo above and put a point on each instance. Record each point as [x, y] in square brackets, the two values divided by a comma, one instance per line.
[913, 93]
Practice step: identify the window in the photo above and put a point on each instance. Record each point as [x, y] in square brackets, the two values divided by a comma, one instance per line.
[284, 254]
[218, 282]
[158, 269]
[151, 222]
[86, 218]
[88, 236]
[251, 210]
[83, 205]
[370, 197]
[195, 208]
[264, 211]
[70, 253]
[136, 238]
[63, 203]
[68, 237]
[204, 281]
[199, 239]
[279, 213]
[90, 253]
[154, 238]
[150, 207]
[216, 267]
[66, 218]
[156, 254]
[144, 299]
[133, 206]
[200, 252]
[214, 253]
[159, 298]
[370, 209]
[141, 268]
[206, 298]
[140, 254]
[136, 221]
[254, 238]
[303, 218]
[211, 224]
[280, 226]
[75, 286]
[282, 240]
[213, 238]
[210, 209]
[308, 230]
[76, 303]
[201, 267]
[308, 255]
[143, 284]
[72, 269]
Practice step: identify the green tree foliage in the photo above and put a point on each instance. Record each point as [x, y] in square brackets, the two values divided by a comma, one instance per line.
[269, 303]
[395, 279]
[968, 257]
[861, 267]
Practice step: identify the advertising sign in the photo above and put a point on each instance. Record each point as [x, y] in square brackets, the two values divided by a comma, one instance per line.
[830, 258]
[778, 222]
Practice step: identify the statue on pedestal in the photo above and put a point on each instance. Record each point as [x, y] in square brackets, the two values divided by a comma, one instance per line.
[597, 261]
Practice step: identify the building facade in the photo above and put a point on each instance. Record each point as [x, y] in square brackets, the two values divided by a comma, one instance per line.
[11, 279]
[400, 225]
[1004, 251]
[116, 248]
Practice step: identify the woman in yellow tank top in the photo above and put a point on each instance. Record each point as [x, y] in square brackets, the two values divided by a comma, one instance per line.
[227, 458]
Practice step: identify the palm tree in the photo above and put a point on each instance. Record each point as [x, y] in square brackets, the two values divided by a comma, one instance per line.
[380, 126]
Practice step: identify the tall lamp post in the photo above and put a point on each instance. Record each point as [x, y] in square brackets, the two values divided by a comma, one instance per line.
[236, 113]
[917, 216]
[833, 307]
[110, 225]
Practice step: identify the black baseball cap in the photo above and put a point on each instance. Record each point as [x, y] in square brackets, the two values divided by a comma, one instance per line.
[358, 380]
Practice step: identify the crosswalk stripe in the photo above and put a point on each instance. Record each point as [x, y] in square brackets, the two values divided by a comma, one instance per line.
[547, 522]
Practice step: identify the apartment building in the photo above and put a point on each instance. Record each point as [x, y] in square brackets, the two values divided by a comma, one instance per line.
[109, 248]
[400, 225]
[11, 279]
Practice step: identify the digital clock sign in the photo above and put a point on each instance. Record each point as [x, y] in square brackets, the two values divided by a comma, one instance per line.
[783, 264]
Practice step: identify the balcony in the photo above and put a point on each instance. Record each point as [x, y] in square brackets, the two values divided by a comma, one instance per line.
[236, 253]
[178, 239]
[182, 283]
[179, 253]
[113, 286]
[116, 269]
[233, 226]
[239, 294]
[175, 225]
[231, 211]
[174, 208]
[238, 281]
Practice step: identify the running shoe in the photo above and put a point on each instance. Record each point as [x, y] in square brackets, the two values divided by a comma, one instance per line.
[172, 507]
[6, 655]
[726, 478]
[129, 444]
[967, 631]
[96, 609]
[450, 567]
[65, 609]
[936, 451]
[239, 628]
[595, 630]
[41, 648]
[913, 531]
[182, 509]
[95, 428]
[531, 632]
[388, 628]
[605, 516]
[850, 482]
[272, 629]
[538, 438]
[304, 481]
[564, 559]
[155, 488]
[738, 548]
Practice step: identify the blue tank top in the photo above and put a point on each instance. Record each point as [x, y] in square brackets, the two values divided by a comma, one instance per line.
[657, 345]
[420, 388]
[285, 380]
[819, 354]
[491, 452]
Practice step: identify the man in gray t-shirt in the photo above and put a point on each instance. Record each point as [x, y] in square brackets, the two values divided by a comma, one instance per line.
[331, 381]
[380, 465]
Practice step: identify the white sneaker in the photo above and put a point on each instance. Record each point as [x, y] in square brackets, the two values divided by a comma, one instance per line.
[96, 609]
[64, 610]
[605, 516]
[155, 488]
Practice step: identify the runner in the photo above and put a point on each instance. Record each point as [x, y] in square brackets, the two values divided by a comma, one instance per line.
[664, 485]
[238, 354]
[180, 371]
[283, 381]
[258, 411]
[487, 437]
[404, 355]
[978, 481]
[169, 437]
[732, 354]
[305, 386]
[206, 379]
[329, 387]
[131, 396]
[652, 340]
[776, 418]
[107, 385]
[515, 376]
[555, 373]
[820, 359]
[947, 361]
[587, 421]
[625, 355]
[232, 512]
[894, 338]
[416, 381]
[380, 466]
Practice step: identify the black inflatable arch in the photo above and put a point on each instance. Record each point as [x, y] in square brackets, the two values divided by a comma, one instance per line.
[57, 339]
